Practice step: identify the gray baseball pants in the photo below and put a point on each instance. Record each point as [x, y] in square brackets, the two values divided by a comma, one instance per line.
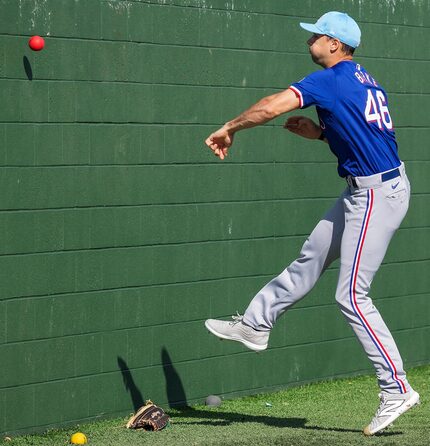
[358, 229]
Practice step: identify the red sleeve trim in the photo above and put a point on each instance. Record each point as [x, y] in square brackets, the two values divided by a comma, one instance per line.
[298, 93]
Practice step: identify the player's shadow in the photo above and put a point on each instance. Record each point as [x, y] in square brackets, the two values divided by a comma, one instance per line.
[130, 386]
[188, 415]
[217, 417]
[27, 68]
[174, 388]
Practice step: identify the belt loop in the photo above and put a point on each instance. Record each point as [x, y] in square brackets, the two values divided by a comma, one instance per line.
[351, 181]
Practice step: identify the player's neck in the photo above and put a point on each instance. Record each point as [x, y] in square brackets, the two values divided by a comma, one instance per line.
[334, 61]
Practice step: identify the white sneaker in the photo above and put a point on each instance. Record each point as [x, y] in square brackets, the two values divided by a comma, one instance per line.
[392, 405]
[236, 330]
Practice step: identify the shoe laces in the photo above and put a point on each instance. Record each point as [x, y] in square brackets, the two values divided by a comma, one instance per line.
[382, 397]
[236, 319]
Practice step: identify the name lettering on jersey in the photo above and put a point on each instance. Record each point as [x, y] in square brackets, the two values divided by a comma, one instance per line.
[364, 77]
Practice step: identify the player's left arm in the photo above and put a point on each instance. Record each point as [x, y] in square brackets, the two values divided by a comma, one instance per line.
[263, 111]
[305, 127]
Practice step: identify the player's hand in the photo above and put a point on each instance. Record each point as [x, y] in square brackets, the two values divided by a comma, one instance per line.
[220, 141]
[303, 126]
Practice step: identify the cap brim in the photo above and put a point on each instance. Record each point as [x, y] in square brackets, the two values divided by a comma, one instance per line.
[310, 27]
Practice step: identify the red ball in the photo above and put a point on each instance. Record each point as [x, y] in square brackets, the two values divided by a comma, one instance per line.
[36, 43]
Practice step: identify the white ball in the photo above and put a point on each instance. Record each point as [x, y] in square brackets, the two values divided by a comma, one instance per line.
[213, 401]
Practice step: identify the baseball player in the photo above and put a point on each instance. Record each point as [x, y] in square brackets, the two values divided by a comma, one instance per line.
[355, 121]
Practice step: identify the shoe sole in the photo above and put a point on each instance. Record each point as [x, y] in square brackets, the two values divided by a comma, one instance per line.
[250, 345]
[414, 400]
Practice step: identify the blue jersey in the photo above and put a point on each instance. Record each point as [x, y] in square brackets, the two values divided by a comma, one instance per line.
[353, 113]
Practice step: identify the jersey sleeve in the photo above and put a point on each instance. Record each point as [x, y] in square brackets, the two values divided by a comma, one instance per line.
[319, 88]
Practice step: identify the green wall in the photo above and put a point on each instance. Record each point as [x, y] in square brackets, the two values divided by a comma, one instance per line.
[120, 233]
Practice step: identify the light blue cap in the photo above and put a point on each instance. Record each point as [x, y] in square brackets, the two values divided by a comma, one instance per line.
[338, 25]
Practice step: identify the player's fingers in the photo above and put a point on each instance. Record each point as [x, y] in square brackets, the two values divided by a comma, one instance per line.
[301, 122]
[290, 126]
[213, 146]
[209, 142]
[219, 147]
[216, 146]
[293, 119]
[294, 129]
[292, 122]
[303, 127]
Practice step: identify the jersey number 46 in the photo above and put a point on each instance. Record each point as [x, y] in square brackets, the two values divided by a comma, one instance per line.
[377, 110]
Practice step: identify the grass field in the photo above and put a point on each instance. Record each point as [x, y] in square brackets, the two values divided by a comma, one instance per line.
[330, 413]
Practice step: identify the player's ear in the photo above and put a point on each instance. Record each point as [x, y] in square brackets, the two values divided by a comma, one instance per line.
[335, 45]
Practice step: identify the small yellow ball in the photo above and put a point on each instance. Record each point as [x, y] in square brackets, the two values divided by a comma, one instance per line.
[78, 438]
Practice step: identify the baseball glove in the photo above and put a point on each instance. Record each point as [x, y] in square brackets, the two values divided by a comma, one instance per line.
[149, 417]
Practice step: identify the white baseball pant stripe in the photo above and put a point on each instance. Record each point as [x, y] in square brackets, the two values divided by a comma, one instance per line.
[358, 230]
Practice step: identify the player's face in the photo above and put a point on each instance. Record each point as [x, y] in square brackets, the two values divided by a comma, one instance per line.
[319, 47]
